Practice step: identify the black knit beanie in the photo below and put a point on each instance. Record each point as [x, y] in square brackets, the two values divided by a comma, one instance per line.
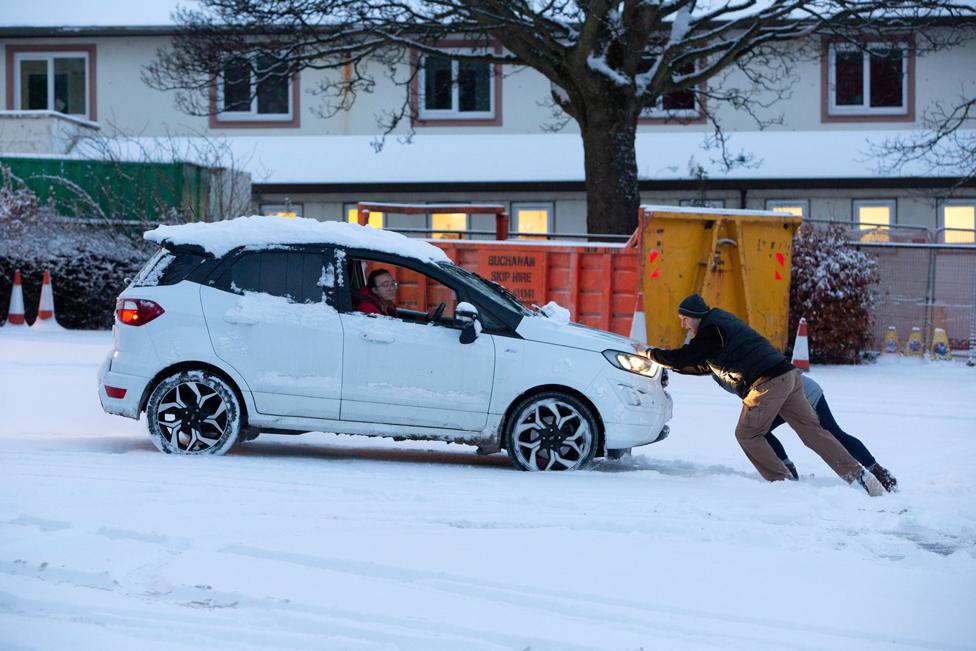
[693, 306]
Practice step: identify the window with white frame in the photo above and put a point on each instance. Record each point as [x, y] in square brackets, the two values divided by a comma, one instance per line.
[456, 89]
[798, 207]
[374, 220]
[254, 87]
[958, 215]
[678, 104]
[532, 220]
[56, 81]
[868, 79]
[448, 225]
[281, 209]
[703, 203]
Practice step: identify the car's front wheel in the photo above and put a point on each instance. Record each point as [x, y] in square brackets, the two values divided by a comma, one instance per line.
[194, 412]
[551, 431]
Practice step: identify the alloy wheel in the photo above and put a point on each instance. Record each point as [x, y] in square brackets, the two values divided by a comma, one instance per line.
[192, 416]
[551, 435]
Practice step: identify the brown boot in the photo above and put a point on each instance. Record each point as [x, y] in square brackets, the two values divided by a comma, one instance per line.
[887, 480]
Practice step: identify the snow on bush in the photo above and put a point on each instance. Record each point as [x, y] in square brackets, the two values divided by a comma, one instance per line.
[89, 264]
[831, 288]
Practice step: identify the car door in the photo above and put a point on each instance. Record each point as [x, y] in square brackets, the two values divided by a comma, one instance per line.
[270, 315]
[404, 371]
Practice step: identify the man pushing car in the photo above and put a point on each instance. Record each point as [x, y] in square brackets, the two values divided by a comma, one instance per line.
[723, 345]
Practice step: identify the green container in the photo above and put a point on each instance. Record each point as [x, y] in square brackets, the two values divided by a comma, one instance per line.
[116, 190]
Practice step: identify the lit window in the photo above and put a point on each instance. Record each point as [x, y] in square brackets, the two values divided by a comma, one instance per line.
[452, 89]
[374, 220]
[532, 220]
[448, 221]
[254, 88]
[800, 208]
[959, 215]
[871, 79]
[52, 82]
[678, 104]
[281, 209]
[876, 217]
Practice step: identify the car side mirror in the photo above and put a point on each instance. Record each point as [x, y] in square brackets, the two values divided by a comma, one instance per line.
[467, 314]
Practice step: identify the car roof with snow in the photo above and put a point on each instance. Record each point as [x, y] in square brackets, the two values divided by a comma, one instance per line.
[256, 231]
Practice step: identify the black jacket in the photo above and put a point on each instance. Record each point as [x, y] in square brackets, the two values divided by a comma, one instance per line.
[729, 349]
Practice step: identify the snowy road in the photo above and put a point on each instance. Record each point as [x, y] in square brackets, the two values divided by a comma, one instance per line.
[326, 542]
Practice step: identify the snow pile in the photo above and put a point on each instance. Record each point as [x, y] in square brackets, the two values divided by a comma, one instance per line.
[257, 307]
[556, 312]
[219, 238]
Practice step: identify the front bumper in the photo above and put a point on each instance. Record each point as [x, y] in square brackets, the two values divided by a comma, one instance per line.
[133, 385]
[635, 410]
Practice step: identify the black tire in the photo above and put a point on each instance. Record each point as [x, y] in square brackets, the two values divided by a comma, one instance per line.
[551, 431]
[194, 412]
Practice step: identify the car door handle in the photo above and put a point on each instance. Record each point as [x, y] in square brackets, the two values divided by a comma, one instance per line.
[377, 337]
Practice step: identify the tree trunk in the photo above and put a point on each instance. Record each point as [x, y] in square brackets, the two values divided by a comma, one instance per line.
[610, 159]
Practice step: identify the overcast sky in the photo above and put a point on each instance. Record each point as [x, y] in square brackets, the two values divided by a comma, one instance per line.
[56, 13]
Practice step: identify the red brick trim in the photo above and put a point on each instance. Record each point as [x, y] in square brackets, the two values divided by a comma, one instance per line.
[495, 121]
[825, 116]
[88, 48]
[294, 123]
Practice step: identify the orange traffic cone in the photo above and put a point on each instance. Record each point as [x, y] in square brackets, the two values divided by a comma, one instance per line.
[801, 348]
[15, 315]
[45, 310]
[638, 327]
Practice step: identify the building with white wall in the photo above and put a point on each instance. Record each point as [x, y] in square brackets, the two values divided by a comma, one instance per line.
[486, 142]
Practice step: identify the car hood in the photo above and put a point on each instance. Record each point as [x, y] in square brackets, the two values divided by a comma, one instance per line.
[574, 335]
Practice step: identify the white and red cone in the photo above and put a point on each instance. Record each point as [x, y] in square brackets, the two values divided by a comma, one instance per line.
[15, 315]
[45, 310]
[801, 348]
[638, 327]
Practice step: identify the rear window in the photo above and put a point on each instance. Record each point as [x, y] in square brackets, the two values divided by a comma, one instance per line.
[167, 268]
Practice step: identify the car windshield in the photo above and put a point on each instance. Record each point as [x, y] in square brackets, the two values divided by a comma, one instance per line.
[492, 291]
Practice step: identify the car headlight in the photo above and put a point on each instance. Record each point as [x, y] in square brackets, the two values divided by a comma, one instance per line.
[638, 364]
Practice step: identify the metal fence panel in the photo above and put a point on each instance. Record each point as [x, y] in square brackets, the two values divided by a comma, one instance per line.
[925, 285]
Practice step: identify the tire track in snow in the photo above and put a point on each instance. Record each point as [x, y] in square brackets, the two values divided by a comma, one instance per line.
[582, 604]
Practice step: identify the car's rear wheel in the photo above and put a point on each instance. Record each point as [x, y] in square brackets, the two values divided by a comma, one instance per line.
[551, 431]
[194, 412]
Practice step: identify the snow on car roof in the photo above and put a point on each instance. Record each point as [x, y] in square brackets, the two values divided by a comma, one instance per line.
[221, 237]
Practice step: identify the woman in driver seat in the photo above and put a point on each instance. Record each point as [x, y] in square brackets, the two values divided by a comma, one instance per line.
[377, 297]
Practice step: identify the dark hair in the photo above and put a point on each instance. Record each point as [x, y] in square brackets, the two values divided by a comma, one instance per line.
[374, 274]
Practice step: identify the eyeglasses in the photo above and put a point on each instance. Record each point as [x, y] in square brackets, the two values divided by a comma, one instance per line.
[388, 284]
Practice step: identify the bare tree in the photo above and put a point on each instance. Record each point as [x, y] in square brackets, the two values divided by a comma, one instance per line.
[606, 60]
[946, 142]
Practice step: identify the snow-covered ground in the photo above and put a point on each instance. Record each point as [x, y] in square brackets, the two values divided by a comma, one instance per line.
[327, 542]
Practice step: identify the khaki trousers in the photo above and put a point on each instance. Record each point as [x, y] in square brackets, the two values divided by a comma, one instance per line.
[783, 395]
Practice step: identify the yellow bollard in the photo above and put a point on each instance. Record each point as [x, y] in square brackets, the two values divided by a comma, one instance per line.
[890, 344]
[913, 347]
[940, 346]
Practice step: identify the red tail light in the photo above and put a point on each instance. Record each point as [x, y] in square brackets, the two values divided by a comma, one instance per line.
[115, 392]
[136, 311]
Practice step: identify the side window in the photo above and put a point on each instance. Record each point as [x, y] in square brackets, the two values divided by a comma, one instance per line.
[414, 293]
[299, 276]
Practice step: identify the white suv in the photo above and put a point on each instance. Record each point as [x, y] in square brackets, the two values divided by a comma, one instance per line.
[251, 325]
